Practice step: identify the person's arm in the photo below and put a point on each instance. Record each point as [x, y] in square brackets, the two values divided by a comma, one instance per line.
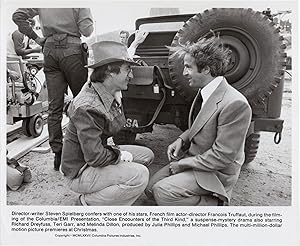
[12, 74]
[20, 17]
[90, 124]
[233, 124]
[140, 37]
[185, 137]
[17, 38]
[85, 21]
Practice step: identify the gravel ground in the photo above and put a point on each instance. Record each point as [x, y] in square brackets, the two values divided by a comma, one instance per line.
[267, 181]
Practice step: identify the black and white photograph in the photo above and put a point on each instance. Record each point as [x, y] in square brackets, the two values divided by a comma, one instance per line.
[178, 112]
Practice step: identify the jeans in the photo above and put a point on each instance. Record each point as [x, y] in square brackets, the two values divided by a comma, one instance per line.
[180, 189]
[114, 185]
[63, 67]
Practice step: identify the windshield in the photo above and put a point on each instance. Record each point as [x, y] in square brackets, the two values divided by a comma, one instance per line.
[164, 26]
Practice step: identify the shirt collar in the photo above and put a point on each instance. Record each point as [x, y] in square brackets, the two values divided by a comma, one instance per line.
[103, 93]
[208, 90]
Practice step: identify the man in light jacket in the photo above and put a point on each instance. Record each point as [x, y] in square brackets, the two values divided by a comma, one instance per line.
[209, 168]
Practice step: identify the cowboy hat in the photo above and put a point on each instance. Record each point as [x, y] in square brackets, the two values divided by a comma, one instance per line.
[109, 51]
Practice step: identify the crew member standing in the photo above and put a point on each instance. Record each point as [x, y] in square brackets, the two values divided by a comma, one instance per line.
[64, 58]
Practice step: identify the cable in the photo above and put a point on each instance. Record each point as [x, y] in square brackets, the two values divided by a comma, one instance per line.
[288, 73]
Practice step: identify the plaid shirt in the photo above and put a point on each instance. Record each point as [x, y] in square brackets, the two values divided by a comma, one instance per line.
[94, 116]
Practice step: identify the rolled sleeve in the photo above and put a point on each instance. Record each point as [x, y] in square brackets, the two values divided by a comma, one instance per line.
[85, 22]
[89, 125]
[20, 17]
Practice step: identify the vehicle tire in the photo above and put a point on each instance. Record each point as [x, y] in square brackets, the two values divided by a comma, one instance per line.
[257, 59]
[124, 137]
[251, 147]
[36, 125]
[25, 127]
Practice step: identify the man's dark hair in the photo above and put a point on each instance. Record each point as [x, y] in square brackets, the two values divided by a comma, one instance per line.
[100, 73]
[126, 32]
[207, 52]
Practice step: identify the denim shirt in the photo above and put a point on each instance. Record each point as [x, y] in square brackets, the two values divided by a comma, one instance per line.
[94, 116]
[72, 21]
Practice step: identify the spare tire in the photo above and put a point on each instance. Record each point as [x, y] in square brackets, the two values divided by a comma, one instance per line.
[257, 59]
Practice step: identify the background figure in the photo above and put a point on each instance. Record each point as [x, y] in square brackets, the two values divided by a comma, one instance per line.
[139, 38]
[64, 58]
[18, 43]
[103, 174]
[124, 35]
[218, 123]
[17, 48]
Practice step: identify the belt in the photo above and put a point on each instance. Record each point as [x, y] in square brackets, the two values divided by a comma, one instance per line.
[70, 40]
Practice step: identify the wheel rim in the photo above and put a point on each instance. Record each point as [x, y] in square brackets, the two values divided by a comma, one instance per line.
[245, 60]
[38, 125]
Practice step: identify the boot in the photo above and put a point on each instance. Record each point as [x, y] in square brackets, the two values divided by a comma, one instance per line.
[57, 160]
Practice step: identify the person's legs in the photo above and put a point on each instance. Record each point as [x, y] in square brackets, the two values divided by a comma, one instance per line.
[75, 72]
[141, 154]
[159, 175]
[180, 189]
[61, 69]
[56, 86]
[112, 185]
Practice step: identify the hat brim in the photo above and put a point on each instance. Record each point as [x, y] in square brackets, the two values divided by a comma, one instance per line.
[111, 60]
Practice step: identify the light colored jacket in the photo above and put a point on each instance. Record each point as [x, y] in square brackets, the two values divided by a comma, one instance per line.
[217, 139]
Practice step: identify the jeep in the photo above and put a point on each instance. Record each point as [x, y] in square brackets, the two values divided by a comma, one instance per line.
[159, 93]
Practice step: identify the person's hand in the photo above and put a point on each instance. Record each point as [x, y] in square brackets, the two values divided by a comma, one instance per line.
[126, 156]
[173, 149]
[175, 167]
[40, 41]
[14, 75]
[140, 36]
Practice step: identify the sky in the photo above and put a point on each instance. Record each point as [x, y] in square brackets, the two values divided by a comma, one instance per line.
[116, 15]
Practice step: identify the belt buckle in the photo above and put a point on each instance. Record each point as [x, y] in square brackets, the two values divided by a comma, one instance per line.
[60, 41]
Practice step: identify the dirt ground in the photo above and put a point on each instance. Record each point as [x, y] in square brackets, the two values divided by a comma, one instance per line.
[267, 181]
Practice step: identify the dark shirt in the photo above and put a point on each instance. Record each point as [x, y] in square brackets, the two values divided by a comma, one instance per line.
[94, 116]
[72, 21]
[17, 43]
